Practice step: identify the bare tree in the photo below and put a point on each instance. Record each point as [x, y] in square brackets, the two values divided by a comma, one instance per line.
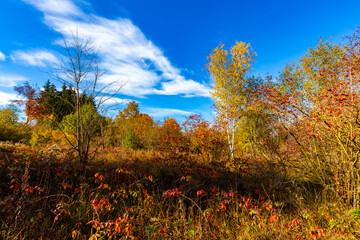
[80, 70]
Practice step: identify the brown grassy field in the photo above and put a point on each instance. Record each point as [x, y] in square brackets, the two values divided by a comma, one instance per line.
[123, 194]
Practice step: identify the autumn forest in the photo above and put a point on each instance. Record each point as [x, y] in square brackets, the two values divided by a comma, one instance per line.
[279, 160]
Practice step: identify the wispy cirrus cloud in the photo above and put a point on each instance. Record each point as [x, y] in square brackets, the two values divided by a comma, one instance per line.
[110, 100]
[165, 112]
[179, 85]
[2, 56]
[10, 80]
[58, 7]
[5, 98]
[34, 57]
[125, 51]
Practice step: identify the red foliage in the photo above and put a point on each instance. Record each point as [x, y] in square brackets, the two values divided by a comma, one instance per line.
[172, 192]
[34, 110]
[201, 193]
[206, 138]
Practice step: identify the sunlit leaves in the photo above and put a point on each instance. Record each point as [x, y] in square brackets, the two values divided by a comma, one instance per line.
[230, 93]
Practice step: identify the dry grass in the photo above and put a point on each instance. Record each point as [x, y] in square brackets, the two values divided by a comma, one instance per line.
[45, 194]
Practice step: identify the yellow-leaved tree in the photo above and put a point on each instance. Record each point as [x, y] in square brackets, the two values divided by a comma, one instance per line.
[230, 91]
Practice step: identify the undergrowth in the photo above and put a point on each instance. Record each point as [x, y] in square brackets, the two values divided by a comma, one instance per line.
[46, 194]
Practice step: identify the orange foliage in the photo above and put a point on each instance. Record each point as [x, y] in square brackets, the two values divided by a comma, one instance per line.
[32, 101]
[171, 138]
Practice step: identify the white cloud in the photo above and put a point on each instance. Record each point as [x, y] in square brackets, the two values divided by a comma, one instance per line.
[5, 98]
[181, 86]
[58, 7]
[112, 100]
[126, 52]
[2, 56]
[10, 80]
[34, 57]
[165, 112]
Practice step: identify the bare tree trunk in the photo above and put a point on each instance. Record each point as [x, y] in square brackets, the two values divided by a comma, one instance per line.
[80, 69]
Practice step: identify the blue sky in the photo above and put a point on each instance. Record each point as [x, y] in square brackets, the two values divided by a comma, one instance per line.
[159, 47]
